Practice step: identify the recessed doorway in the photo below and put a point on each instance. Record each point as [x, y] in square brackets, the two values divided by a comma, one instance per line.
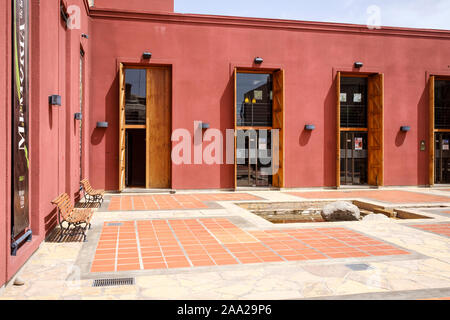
[360, 138]
[145, 127]
[259, 127]
[439, 130]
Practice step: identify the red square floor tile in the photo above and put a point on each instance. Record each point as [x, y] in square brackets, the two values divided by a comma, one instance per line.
[272, 259]
[201, 263]
[128, 267]
[177, 264]
[149, 266]
[108, 268]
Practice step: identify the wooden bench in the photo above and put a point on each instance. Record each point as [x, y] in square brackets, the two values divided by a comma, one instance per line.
[76, 219]
[90, 194]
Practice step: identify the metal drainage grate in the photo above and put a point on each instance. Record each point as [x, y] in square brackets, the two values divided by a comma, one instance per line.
[115, 224]
[113, 282]
[358, 266]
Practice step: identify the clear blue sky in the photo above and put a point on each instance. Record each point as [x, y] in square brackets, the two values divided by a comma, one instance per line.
[433, 14]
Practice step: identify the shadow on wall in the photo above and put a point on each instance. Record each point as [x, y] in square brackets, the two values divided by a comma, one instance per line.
[422, 134]
[50, 222]
[50, 116]
[400, 138]
[329, 137]
[97, 136]
[111, 161]
[226, 122]
[304, 137]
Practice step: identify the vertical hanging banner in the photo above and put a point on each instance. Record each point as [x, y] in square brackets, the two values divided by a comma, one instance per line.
[20, 104]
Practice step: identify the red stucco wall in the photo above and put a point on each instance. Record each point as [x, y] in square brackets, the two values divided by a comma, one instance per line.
[54, 134]
[136, 5]
[201, 54]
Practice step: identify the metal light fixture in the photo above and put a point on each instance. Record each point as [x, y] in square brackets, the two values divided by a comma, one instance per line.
[84, 35]
[310, 127]
[147, 55]
[54, 100]
[405, 128]
[204, 125]
[259, 60]
[359, 65]
[78, 116]
[102, 124]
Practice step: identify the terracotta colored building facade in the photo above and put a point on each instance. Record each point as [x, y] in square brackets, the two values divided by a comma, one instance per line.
[136, 72]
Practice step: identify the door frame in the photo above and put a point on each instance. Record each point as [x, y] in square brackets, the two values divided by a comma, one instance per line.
[278, 118]
[375, 126]
[432, 129]
[123, 126]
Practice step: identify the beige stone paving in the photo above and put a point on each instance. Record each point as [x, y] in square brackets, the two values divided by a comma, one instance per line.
[50, 273]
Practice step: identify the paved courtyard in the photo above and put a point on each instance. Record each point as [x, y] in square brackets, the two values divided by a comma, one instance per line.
[203, 245]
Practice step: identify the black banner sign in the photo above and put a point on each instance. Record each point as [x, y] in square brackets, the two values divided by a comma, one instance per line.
[20, 105]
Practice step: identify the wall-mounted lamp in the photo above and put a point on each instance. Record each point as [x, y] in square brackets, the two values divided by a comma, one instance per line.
[84, 35]
[102, 124]
[405, 128]
[78, 116]
[204, 125]
[359, 65]
[147, 55]
[310, 127]
[259, 60]
[54, 100]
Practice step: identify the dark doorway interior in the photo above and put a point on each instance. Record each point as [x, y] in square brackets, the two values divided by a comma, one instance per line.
[353, 158]
[442, 138]
[135, 170]
[442, 153]
[353, 102]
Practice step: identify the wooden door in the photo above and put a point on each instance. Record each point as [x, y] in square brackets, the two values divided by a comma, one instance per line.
[122, 148]
[278, 123]
[375, 129]
[431, 142]
[338, 129]
[159, 128]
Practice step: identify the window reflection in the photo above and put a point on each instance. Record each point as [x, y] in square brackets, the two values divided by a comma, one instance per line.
[254, 99]
[135, 96]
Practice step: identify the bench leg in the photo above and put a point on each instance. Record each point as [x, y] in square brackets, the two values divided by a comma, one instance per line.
[62, 230]
[61, 234]
[88, 226]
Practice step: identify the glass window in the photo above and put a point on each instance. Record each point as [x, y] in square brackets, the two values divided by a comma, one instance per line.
[135, 96]
[442, 104]
[353, 102]
[254, 100]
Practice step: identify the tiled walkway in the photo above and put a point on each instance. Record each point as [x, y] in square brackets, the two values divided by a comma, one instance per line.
[441, 228]
[160, 244]
[391, 196]
[172, 202]
[231, 254]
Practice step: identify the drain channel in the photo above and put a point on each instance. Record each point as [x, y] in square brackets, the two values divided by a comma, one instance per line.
[113, 282]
